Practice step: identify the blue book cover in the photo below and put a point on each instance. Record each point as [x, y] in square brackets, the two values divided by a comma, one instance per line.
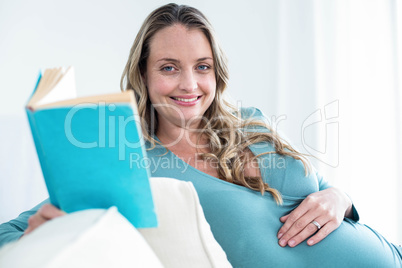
[92, 154]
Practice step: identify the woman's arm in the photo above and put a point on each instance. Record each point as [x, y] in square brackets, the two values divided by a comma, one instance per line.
[328, 206]
[14, 229]
[27, 222]
[45, 213]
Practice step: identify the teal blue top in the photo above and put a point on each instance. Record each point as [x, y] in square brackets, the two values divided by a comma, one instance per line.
[245, 223]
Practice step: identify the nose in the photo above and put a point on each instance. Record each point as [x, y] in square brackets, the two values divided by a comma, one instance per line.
[188, 81]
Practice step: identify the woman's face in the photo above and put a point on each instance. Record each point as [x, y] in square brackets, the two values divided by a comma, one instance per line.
[180, 76]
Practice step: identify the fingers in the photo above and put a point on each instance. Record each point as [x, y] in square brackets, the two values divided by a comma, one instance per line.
[290, 222]
[322, 233]
[45, 213]
[284, 218]
[48, 211]
[300, 230]
[322, 207]
[305, 233]
[33, 222]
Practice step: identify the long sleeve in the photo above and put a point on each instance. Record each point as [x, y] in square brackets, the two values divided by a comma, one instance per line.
[268, 174]
[14, 229]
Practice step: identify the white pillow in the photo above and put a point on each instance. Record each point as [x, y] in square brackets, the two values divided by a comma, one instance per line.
[90, 238]
[104, 238]
[183, 237]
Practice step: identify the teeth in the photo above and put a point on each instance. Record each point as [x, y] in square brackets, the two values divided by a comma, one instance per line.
[186, 100]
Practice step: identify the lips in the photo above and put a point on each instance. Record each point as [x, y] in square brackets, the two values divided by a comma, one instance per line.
[186, 100]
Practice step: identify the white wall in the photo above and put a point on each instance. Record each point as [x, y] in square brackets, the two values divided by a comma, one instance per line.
[95, 37]
[265, 52]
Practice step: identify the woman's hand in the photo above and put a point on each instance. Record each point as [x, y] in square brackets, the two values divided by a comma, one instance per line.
[327, 207]
[45, 213]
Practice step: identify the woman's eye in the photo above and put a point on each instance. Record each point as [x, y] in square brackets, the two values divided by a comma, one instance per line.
[168, 68]
[203, 67]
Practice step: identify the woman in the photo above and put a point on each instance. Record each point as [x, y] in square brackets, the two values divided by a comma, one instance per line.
[178, 74]
[211, 114]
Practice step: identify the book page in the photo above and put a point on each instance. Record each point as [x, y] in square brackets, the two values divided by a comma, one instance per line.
[61, 87]
[119, 97]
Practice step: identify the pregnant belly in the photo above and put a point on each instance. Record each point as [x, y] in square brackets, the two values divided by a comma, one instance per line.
[246, 224]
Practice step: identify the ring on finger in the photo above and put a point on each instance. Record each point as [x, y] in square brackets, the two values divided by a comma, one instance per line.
[316, 224]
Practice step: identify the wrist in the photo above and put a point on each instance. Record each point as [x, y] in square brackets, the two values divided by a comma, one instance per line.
[349, 206]
[349, 212]
[345, 202]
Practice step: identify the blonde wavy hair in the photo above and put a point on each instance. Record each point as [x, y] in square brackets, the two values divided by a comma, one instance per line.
[224, 128]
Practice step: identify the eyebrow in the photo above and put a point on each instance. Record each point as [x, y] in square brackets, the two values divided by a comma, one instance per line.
[177, 61]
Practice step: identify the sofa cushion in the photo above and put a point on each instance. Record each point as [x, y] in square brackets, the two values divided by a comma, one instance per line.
[104, 238]
[183, 237]
[89, 238]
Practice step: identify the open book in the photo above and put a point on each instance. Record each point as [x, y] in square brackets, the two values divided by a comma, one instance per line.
[91, 149]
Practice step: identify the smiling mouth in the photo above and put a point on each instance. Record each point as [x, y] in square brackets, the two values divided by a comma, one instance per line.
[186, 100]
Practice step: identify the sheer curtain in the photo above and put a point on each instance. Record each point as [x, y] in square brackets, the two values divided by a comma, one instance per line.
[344, 58]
